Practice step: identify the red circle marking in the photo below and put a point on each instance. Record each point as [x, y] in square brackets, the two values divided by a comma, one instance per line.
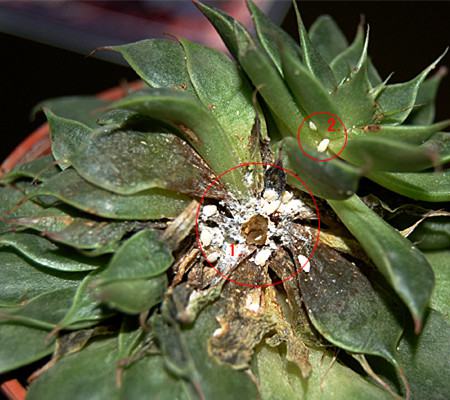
[216, 181]
[309, 155]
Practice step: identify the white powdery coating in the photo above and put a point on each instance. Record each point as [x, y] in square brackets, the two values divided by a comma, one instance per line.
[312, 126]
[304, 262]
[252, 304]
[209, 210]
[269, 207]
[262, 256]
[293, 207]
[323, 145]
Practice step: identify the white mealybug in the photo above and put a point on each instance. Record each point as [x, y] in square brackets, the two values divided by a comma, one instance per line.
[312, 126]
[209, 210]
[323, 145]
[262, 256]
[304, 262]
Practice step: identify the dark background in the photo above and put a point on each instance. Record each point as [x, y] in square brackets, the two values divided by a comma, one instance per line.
[405, 37]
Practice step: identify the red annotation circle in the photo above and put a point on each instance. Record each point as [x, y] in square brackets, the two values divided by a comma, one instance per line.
[216, 181]
[332, 128]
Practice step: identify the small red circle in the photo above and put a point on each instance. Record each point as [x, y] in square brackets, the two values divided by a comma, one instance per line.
[216, 181]
[300, 143]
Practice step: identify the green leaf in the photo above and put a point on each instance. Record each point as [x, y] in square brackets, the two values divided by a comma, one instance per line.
[440, 301]
[43, 311]
[312, 58]
[89, 373]
[82, 109]
[144, 255]
[332, 180]
[329, 380]
[85, 309]
[308, 92]
[128, 162]
[22, 280]
[257, 65]
[132, 296]
[426, 186]
[21, 345]
[66, 137]
[198, 125]
[425, 359]
[343, 64]
[396, 101]
[327, 38]
[347, 309]
[40, 169]
[43, 252]
[432, 234]
[272, 37]
[356, 105]
[404, 267]
[424, 111]
[412, 134]
[221, 87]
[378, 153]
[71, 189]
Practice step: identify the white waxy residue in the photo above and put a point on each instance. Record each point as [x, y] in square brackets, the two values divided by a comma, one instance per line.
[262, 256]
[312, 126]
[209, 210]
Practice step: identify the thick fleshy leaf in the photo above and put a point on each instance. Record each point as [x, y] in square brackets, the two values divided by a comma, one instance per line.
[71, 189]
[257, 65]
[43, 252]
[220, 86]
[332, 180]
[66, 137]
[356, 105]
[132, 296]
[440, 300]
[424, 107]
[312, 58]
[347, 309]
[82, 109]
[425, 359]
[396, 101]
[85, 309]
[329, 380]
[144, 255]
[186, 354]
[378, 153]
[272, 37]
[412, 134]
[198, 125]
[128, 162]
[22, 345]
[343, 64]
[426, 186]
[432, 234]
[39, 170]
[404, 267]
[89, 373]
[308, 92]
[43, 311]
[23, 280]
[327, 38]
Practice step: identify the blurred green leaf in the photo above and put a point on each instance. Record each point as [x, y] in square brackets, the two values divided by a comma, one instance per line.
[404, 267]
[39, 170]
[432, 234]
[440, 301]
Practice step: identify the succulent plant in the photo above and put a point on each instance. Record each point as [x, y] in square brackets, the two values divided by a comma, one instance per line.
[267, 227]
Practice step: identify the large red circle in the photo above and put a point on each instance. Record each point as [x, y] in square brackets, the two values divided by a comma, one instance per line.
[300, 142]
[215, 181]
